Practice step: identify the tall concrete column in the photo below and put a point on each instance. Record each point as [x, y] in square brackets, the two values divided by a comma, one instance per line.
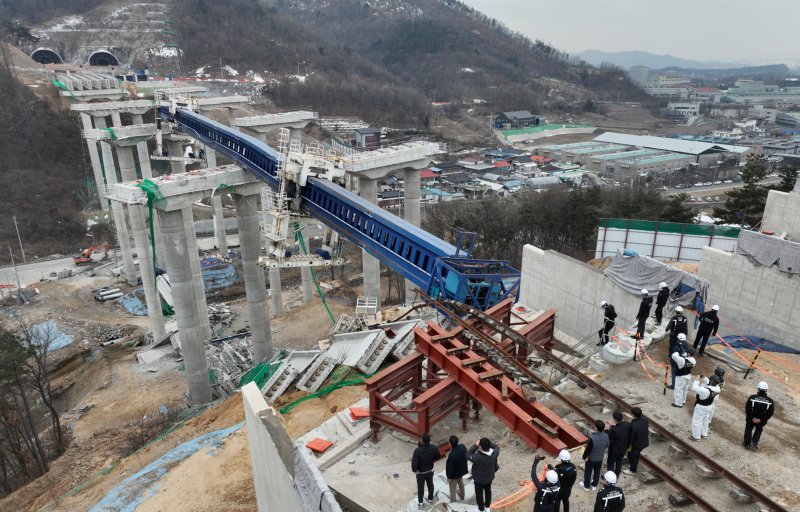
[306, 279]
[144, 250]
[211, 157]
[94, 157]
[411, 213]
[185, 301]
[197, 273]
[118, 210]
[175, 148]
[257, 306]
[371, 266]
[127, 165]
[142, 153]
[275, 290]
[219, 225]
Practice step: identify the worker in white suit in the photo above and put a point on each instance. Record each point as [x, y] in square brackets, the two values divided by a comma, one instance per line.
[707, 390]
[685, 362]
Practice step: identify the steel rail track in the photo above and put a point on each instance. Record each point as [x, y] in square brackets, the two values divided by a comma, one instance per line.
[454, 309]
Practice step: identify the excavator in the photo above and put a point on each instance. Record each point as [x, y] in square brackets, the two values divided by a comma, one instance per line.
[86, 255]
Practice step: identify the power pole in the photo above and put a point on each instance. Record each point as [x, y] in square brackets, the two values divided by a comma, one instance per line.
[24, 260]
[19, 286]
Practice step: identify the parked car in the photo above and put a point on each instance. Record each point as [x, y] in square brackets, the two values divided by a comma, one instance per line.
[708, 184]
[698, 184]
[728, 181]
[717, 182]
[716, 198]
[692, 199]
[708, 199]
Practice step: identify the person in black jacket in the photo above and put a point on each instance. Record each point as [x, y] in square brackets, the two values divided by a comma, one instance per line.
[456, 469]
[676, 327]
[709, 323]
[610, 498]
[644, 312]
[758, 409]
[567, 474]
[618, 442]
[609, 317]
[661, 301]
[422, 464]
[546, 491]
[639, 439]
[484, 455]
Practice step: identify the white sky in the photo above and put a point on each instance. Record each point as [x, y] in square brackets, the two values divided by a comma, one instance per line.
[763, 31]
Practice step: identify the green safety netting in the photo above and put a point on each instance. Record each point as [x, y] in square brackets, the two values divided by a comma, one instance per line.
[262, 372]
[110, 132]
[298, 235]
[63, 87]
[339, 379]
[154, 198]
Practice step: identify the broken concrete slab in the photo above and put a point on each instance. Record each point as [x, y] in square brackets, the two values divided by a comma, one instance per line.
[152, 355]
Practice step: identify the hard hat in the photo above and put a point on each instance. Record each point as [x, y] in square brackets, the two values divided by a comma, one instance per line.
[564, 455]
[763, 386]
[662, 284]
[681, 336]
[678, 309]
[603, 303]
[715, 307]
[610, 477]
[645, 292]
[551, 476]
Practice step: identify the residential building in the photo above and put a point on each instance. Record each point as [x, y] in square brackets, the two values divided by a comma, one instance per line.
[639, 74]
[517, 119]
[368, 138]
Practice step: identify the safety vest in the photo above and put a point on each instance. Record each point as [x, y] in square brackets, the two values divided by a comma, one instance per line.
[547, 495]
[706, 401]
[687, 368]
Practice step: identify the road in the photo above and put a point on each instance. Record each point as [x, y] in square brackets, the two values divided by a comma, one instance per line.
[714, 190]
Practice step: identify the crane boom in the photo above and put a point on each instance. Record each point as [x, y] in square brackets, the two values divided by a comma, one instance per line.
[437, 267]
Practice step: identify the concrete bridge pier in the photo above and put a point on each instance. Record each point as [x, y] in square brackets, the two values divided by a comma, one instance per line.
[411, 213]
[371, 265]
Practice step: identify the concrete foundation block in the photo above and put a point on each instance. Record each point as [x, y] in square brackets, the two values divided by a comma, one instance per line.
[679, 500]
[648, 478]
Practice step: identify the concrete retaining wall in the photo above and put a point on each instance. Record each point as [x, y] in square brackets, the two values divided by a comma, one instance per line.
[271, 453]
[783, 213]
[575, 289]
[754, 299]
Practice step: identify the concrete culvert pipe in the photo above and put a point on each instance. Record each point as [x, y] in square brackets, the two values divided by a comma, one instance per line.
[46, 56]
[103, 58]
[617, 354]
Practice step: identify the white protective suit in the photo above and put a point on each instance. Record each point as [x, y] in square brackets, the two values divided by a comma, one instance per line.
[681, 381]
[702, 413]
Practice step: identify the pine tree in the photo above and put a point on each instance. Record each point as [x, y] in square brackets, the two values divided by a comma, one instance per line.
[745, 206]
[788, 179]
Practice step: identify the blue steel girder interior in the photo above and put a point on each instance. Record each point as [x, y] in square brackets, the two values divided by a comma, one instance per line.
[437, 267]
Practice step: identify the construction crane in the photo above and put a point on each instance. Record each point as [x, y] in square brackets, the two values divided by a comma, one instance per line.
[85, 256]
[316, 186]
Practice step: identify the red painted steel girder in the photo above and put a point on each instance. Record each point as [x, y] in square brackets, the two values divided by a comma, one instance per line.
[533, 422]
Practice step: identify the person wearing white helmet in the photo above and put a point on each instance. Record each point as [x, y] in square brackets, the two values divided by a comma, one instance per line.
[758, 409]
[644, 312]
[610, 498]
[546, 490]
[677, 345]
[709, 323]
[609, 317]
[678, 329]
[683, 375]
[661, 300]
[567, 474]
[707, 390]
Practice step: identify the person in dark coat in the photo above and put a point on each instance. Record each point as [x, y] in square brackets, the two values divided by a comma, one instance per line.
[610, 498]
[644, 312]
[609, 317]
[709, 324]
[758, 410]
[567, 474]
[546, 490]
[456, 468]
[661, 301]
[639, 439]
[484, 455]
[618, 442]
[676, 327]
[422, 465]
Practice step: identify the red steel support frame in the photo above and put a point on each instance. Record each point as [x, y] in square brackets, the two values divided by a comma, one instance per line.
[457, 377]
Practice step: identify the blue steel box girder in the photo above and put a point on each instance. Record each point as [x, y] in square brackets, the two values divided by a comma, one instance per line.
[430, 263]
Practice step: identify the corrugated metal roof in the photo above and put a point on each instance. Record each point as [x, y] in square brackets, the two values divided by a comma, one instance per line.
[689, 147]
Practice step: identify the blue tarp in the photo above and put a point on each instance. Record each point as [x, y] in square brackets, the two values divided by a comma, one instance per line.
[134, 490]
[134, 302]
[49, 330]
[744, 342]
[217, 273]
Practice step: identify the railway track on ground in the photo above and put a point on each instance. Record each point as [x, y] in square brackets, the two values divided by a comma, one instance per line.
[708, 499]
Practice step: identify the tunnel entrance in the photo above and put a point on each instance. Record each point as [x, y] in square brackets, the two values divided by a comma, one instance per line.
[103, 58]
[46, 56]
